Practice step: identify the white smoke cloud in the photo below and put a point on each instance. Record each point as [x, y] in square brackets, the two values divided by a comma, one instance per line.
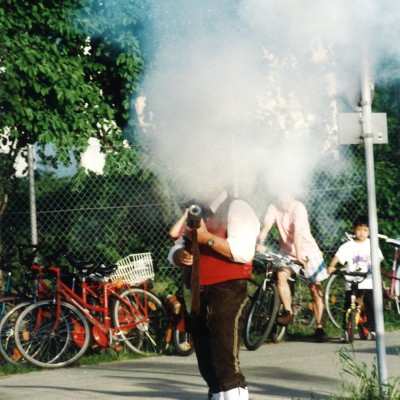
[249, 90]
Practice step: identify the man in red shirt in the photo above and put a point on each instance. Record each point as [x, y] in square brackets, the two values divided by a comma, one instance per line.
[227, 243]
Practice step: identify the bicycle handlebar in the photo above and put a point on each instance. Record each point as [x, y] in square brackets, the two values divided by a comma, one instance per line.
[346, 274]
[276, 257]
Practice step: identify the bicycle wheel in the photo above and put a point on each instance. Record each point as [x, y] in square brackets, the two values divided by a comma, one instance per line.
[351, 323]
[136, 305]
[6, 303]
[278, 331]
[8, 348]
[183, 342]
[302, 304]
[261, 316]
[50, 339]
[334, 299]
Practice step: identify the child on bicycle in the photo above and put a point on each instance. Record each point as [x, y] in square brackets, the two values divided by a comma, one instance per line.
[356, 255]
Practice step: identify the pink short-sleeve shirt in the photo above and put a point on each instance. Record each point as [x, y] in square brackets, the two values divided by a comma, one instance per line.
[285, 221]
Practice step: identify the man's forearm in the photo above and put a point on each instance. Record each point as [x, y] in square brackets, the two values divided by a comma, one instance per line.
[219, 244]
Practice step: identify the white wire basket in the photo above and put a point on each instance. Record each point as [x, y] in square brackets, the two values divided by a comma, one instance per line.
[135, 268]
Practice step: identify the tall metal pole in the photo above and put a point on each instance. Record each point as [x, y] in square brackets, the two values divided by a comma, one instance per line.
[366, 103]
[32, 194]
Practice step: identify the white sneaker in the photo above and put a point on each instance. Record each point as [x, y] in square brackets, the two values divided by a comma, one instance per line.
[233, 394]
[372, 335]
[345, 337]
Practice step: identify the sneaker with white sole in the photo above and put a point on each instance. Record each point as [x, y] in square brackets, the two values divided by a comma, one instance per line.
[372, 335]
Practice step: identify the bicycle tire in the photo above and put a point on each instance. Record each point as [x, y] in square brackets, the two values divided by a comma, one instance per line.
[183, 343]
[8, 348]
[361, 326]
[6, 303]
[351, 324]
[334, 299]
[147, 337]
[302, 304]
[48, 344]
[261, 316]
[278, 331]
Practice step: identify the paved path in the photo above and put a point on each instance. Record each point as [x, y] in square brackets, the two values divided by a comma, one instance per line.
[291, 370]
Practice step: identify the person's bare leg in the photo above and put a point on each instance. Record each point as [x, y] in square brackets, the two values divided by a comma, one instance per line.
[286, 297]
[319, 306]
[284, 289]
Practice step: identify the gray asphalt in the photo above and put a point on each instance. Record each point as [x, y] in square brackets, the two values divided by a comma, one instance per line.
[288, 370]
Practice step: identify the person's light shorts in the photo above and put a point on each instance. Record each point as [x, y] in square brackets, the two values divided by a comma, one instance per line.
[316, 270]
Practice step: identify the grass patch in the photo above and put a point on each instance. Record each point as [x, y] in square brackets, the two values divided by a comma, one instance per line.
[92, 357]
[365, 383]
[95, 357]
[13, 369]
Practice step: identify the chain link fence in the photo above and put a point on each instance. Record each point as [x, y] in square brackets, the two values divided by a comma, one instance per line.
[107, 217]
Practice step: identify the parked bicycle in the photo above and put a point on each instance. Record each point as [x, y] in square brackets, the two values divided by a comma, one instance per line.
[265, 303]
[55, 333]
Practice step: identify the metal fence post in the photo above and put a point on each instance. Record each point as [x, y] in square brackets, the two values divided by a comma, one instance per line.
[32, 194]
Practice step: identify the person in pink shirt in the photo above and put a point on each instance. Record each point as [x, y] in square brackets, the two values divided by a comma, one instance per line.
[295, 239]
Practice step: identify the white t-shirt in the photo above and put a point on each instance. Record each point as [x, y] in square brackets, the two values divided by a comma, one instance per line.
[357, 258]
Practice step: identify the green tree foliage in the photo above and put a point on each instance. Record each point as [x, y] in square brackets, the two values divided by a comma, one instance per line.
[65, 76]
[387, 172]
